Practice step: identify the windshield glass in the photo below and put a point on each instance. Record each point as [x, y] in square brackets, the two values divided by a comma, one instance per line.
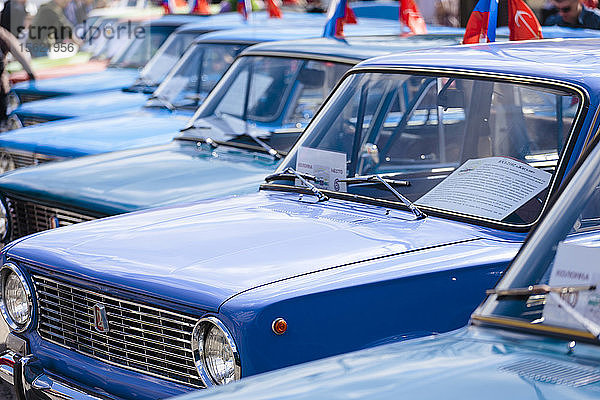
[196, 74]
[114, 40]
[471, 147]
[143, 46]
[563, 256]
[262, 94]
[165, 58]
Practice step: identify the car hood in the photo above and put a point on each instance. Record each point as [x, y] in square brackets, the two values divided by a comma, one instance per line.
[205, 252]
[119, 182]
[465, 364]
[83, 137]
[111, 78]
[84, 105]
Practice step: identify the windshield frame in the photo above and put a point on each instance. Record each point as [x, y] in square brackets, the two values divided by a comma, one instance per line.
[564, 157]
[301, 56]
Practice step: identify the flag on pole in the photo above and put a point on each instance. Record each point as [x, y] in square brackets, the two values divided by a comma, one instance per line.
[273, 9]
[411, 17]
[199, 7]
[481, 26]
[244, 7]
[522, 23]
[339, 14]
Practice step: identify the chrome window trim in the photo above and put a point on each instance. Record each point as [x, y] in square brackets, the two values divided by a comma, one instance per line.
[467, 74]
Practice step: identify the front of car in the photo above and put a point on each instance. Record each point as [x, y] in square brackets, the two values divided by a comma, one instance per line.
[105, 307]
[535, 336]
[190, 168]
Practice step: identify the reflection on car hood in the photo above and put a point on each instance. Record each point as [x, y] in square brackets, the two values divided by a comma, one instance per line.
[112, 78]
[84, 105]
[119, 182]
[466, 364]
[207, 251]
[83, 137]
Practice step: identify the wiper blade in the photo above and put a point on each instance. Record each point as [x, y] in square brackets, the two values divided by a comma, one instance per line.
[291, 174]
[539, 289]
[269, 149]
[209, 141]
[377, 179]
[166, 103]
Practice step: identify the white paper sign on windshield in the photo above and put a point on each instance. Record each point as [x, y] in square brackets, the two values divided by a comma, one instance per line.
[492, 187]
[327, 166]
[574, 265]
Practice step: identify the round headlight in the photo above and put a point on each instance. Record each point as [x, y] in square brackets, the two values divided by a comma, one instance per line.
[215, 353]
[6, 162]
[13, 123]
[16, 305]
[12, 102]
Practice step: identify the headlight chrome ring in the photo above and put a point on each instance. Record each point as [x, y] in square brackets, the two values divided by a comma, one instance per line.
[12, 102]
[7, 163]
[4, 221]
[215, 353]
[16, 304]
[14, 123]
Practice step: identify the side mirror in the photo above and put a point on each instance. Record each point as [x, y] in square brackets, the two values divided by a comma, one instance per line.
[312, 78]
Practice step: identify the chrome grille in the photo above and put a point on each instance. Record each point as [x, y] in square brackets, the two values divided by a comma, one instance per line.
[28, 217]
[27, 158]
[27, 97]
[31, 120]
[140, 338]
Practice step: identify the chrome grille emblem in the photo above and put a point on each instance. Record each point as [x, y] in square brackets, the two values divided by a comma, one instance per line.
[100, 320]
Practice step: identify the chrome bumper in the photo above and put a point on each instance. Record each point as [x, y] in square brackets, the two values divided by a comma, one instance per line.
[27, 376]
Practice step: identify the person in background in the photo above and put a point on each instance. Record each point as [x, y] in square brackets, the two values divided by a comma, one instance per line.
[10, 44]
[13, 16]
[573, 14]
[50, 26]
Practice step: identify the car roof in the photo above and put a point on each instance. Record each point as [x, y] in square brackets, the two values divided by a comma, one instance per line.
[355, 48]
[175, 20]
[574, 60]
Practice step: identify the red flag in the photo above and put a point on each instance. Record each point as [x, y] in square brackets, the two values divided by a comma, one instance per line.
[274, 11]
[481, 26]
[522, 23]
[201, 8]
[411, 17]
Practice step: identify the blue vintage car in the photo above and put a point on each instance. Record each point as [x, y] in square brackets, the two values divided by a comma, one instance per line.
[121, 73]
[416, 181]
[535, 337]
[118, 182]
[136, 128]
[94, 105]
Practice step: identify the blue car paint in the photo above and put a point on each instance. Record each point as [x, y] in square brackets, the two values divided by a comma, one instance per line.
[250, 259]
[109, 102]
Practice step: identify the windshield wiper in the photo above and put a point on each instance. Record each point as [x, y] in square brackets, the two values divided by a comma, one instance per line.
[209, 141]
[555, 293]
[378, 180]
[539, 289]
[291, 174]
[164, 101]
[269, 149]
